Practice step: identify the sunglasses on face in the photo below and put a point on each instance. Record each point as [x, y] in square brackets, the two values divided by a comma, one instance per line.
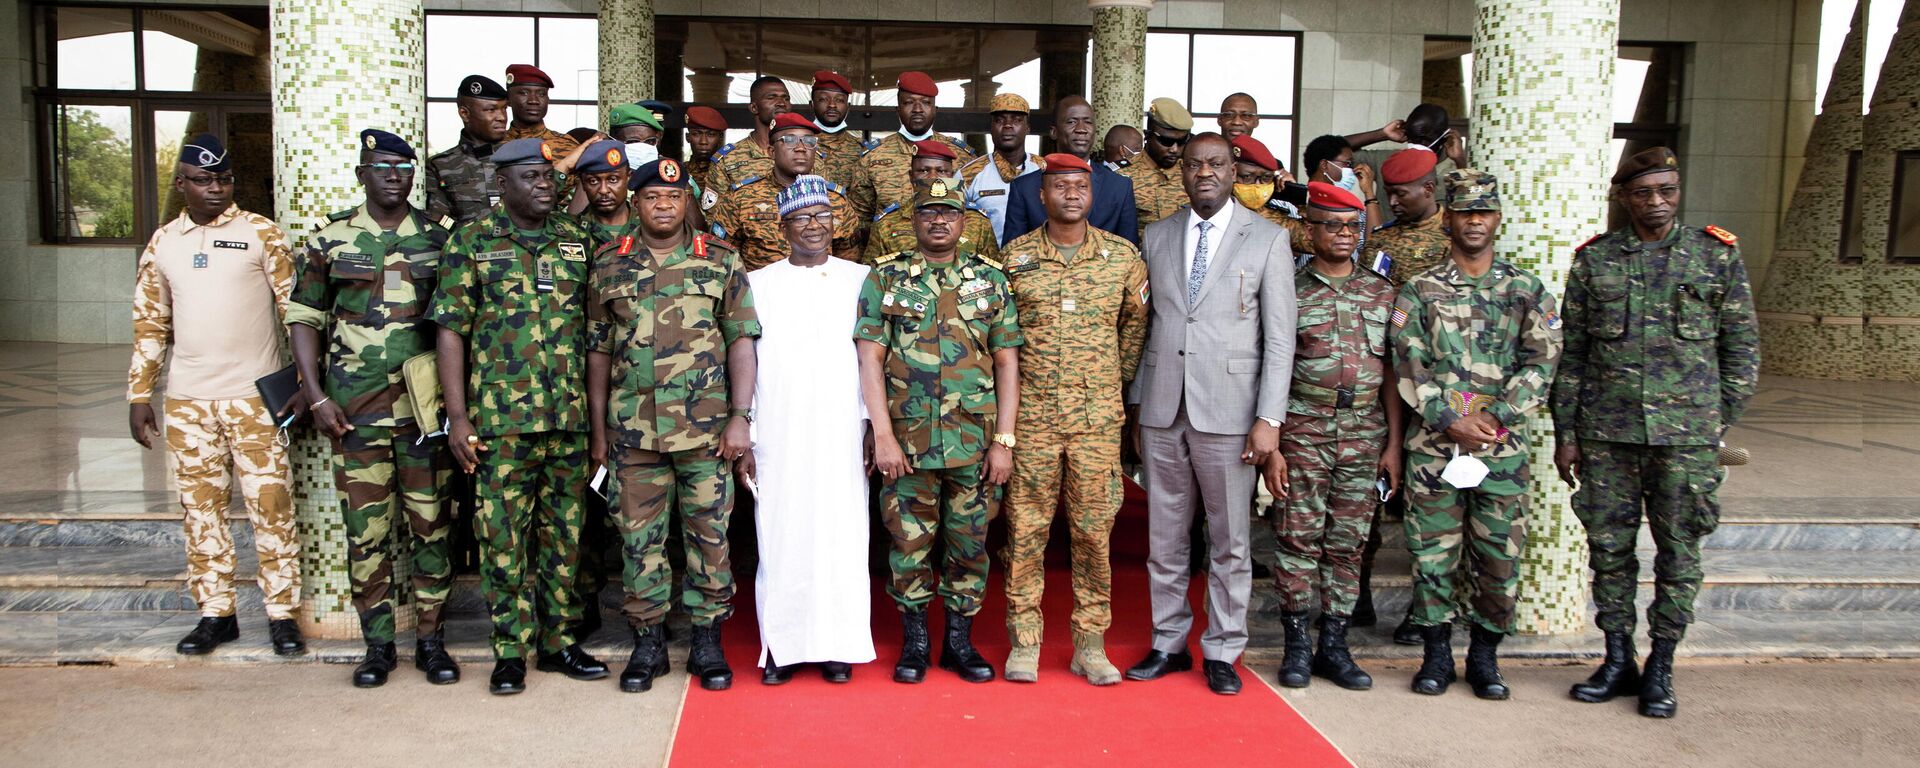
[1169, 141]
[803, 141]
[1336, 227]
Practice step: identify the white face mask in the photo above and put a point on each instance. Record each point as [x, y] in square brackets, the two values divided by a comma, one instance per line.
[1464, 472]
[640, 153]
[1347, 181]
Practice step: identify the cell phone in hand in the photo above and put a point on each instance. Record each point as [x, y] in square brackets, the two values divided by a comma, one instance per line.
[1385, 488]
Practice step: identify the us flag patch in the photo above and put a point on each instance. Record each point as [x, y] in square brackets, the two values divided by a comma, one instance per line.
[1399, 318]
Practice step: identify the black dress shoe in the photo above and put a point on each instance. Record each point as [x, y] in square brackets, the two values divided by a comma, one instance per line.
[836, 671]
[1158, 663]
[573, 662]
[648, 660]
[509, 677]
[208, 635]
[1221, 678]
[708, 661]
[372, 672]
[286, 637]
[774, 674]
[430, 656]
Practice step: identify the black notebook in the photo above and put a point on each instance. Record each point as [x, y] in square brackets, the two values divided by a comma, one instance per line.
[277, 388]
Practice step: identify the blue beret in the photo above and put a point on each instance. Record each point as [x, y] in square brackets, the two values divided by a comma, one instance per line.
[664, 172]
[660, 109]
[481, 87]
[602, 156]
[205, 152]
[522, 152]
[374, 140]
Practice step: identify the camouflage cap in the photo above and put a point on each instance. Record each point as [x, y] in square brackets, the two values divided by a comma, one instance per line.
[1008, 102]
[1472, 190]
[938, 192]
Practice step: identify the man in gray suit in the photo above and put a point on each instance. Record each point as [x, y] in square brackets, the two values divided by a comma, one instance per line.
[1212, 390]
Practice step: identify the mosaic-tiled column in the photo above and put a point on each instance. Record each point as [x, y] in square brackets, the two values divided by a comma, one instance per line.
[338, 67]
[1119, 62]
[1542, 123]
[626, 53]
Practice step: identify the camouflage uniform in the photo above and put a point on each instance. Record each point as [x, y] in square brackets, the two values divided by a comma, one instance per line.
[1462, 345]
[518, 300]
[599, 535]
[1084, 319]
[701, 171]
[1662, 355]
[889, 160]
[668, 321]
[941, 325]
[1335, 431]
[735, 163]
[1414, 245]
[460, 183]
[561, 145]
[840, 163]
[748, 219]
[366, 290]
[892, 233]
[1157, 192]
[1297, 235]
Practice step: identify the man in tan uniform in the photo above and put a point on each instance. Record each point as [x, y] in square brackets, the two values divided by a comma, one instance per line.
[1157, 190]
[212, 289]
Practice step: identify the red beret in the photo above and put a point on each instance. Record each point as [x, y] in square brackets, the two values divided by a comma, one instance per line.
[933, 148]
[1331, 198]
[827, 78]
[1061, 162]
[702, 116]
[918, 82]
[527, 74]
[791, 120]
[1407, 166]
[1247, 149]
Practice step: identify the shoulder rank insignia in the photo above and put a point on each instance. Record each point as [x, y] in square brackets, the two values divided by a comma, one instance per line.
[1721, 235]
[1590, 241]
[742, 182]
[889, 209]
[342, 215]
[723, 150]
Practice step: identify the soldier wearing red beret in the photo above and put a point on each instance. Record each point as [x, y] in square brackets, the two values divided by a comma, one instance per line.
[888, 160]
[892, 229]
[527, 98]
[1256, 172]
[706, 131]
[738, 163]
[840, 148]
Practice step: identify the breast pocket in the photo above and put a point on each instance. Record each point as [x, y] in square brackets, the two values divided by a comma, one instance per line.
[1314, 331]
[1375, 321]
[1695, 311]
[353, 286]
[698, 305]
[1608, 316]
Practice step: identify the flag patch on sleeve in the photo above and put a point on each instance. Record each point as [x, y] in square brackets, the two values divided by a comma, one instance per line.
[1399, 318]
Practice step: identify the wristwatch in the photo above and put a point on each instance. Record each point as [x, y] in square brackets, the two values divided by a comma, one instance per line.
[1005, 438]
[744, 412]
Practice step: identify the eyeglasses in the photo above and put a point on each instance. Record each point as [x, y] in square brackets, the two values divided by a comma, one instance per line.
[803, 141]
[382, 169]
[1169, 141]
[1341, 163]
[805, 220]
[1239, 116]
[1669, 192]
[939, 213]
[1336, 227]
[224, 179]
[1243, 177]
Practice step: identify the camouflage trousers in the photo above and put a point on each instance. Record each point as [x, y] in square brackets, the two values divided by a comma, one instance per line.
[1485, 526]
[1332, 463]
[1678, 486]
[698, 486]
[947, 505]
[527, 491]
[213, 443]
[1087, 468]
[600, 550]
[382, 473]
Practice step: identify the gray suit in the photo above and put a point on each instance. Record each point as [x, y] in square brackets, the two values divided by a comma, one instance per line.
[1208, 373]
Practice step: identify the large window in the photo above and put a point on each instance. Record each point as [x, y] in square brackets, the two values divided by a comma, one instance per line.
[119, 89]
[1903, 220]
[1202, 69]
[564, 47]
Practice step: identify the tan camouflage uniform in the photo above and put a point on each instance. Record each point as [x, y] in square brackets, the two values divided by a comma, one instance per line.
[1414, 246]
[889, 161]
[1157, 192]
[892, 233]
[840, 163]
[749, 220]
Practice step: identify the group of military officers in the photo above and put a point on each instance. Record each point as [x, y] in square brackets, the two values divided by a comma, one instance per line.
[585, 303]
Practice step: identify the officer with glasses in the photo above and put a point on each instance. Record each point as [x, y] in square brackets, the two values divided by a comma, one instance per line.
[748, 217]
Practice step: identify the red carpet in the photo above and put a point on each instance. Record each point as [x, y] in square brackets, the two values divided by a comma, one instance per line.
[1059, 721]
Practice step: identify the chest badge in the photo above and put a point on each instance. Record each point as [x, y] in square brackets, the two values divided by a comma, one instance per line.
[199, 261]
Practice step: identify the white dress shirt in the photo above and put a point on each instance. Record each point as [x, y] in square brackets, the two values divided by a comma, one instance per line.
[1214, 235]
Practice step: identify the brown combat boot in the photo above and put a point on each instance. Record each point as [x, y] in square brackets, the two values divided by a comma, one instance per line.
[1090, 660]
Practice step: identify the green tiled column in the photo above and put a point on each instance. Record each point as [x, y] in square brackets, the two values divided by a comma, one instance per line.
[626, 53]
[1542, 122]
[1119, 63]
[338, 67]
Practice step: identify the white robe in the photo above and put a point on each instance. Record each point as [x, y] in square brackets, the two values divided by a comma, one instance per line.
[812, 590]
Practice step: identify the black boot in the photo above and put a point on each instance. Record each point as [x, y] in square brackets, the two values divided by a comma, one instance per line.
[1332, 660]
[1619, 675]
[707, 661]
[1436, 669]
[430, 656]
[1408, 633]
[1363, 615]
[957, 653]
[572, 661]
[372, 672]
[509, 677]
[1296, 669]
[286, 638]
[914, 647]
[208, 635]
[1483, 664]
[649, 660]
[589, 619]
[1656, 684]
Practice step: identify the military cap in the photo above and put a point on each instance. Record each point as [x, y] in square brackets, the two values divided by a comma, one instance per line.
[702, 116]
[1009, 102]
[481, 87]
[527, 74]
[918, 82]
[827, 79]
[205, 152]
[623, 115]
[1472, 190]
[1061, 162]
[805, 190]
[602, 156]
[1644, 162]
[938, 192]
[1248, 149]
[933, 148]
[1330, 197]
[660, 109]
[664, 172]
[1169, 113]
[522, 152]
[375, 140]
[788, 121]
[1407, 166]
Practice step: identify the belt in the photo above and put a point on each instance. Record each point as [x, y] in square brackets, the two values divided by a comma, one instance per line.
[1339, 397]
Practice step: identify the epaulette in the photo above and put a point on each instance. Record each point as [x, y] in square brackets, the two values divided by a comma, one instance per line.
[890, 209]
[742, 182]
[886, 257]
[1378, 228]
[1590, 241]
[723, 150]
[836, 189]
[995, 263]
[341, 215]
[721, 244]
[976, 161]
[1715, 232]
